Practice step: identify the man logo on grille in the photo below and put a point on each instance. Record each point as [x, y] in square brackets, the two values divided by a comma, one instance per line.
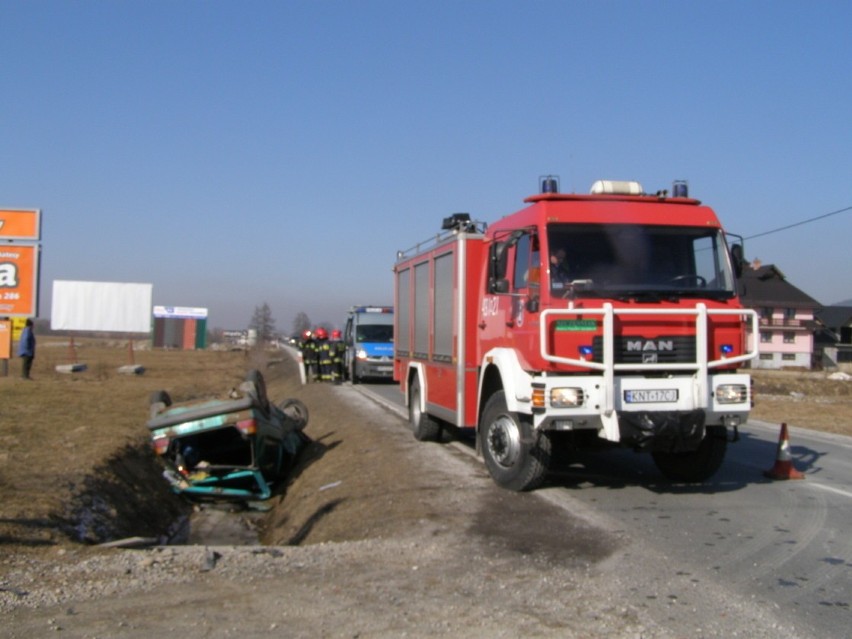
[650, 345]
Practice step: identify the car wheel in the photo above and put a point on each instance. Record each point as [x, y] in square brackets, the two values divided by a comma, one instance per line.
[158, 402]
[295, 410]
[160, 397]
[255, 378]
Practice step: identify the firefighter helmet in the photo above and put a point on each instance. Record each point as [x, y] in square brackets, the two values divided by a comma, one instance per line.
[321, 333]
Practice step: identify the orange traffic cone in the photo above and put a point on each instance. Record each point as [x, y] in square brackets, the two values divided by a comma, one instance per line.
[783, 468]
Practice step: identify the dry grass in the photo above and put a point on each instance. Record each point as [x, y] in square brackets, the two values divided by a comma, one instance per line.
[60, 431]
[806, 399]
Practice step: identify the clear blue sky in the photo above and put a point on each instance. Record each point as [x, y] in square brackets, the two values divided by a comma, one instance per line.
[242, 152]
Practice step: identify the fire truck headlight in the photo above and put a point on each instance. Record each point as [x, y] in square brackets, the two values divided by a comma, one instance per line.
[566, 397]
[731, 393]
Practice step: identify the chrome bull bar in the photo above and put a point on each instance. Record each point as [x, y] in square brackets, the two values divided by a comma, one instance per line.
[609, 366]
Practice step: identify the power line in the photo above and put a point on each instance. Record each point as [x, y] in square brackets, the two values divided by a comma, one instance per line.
[790, 226]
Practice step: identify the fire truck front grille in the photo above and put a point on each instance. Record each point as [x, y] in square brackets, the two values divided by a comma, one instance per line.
[642, 350]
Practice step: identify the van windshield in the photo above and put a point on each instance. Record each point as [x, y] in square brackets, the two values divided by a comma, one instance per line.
[633, 260]
[374, 333]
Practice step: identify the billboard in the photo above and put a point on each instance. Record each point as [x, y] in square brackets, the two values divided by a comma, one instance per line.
[188, 312]
[5, 339]
[20, 224]
[19, 280]
[101, 306]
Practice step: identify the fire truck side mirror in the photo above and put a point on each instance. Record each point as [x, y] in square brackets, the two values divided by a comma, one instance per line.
[498, 286]
[532, 304]
[737, 258]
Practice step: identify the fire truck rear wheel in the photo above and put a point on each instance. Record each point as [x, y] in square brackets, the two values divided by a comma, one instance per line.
[515, 456]
[425, 428]
[698, 465]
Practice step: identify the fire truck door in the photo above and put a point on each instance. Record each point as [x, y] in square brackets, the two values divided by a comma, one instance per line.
[525, 298]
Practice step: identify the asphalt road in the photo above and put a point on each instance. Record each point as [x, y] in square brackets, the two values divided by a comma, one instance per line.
[781, 543]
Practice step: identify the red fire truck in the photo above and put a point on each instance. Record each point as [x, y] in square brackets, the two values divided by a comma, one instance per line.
[582, 319]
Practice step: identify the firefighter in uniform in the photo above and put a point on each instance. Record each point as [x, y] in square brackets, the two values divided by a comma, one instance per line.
[325, 357]
[337, 355]
[309, 356]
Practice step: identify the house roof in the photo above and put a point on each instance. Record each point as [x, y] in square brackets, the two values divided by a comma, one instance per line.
[835, 317]
[766, 285]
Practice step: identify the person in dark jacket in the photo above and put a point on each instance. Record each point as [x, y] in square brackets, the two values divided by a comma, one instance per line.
[26, 349]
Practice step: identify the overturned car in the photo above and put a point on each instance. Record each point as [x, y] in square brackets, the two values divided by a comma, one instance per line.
[235, 448]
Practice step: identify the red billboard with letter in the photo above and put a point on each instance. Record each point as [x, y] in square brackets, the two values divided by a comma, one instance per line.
[18, 280]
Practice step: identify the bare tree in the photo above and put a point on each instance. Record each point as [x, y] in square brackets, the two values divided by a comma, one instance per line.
[263, 322]
[301, 323]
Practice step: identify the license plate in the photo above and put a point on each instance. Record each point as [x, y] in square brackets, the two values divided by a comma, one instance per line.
[384, 369]
[650, 396]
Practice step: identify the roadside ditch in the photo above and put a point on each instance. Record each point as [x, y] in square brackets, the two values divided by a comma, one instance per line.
[127, 502]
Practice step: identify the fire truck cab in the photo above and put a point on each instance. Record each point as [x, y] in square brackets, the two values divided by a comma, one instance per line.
[608, 317]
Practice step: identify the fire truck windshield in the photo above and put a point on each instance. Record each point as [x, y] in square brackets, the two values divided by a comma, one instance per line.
[620, 260]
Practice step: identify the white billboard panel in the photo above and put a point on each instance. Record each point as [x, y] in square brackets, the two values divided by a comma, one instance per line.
[183, 312]
[101, 306]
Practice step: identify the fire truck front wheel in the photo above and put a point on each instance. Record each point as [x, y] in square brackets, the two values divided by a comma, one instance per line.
[426, 429]
[698, 465]
[516, 457]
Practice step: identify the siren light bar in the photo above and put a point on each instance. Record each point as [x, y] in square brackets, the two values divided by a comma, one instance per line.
[617, 187]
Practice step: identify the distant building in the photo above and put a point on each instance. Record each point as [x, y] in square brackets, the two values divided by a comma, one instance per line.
[833, 336]
[786, 318]
[235, 337]
[180, 327]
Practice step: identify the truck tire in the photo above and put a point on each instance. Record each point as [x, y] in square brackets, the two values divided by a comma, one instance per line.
[516, 457]
[425, 428]
[698, 465]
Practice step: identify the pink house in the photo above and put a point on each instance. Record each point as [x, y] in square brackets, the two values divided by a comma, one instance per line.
[786, 318]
